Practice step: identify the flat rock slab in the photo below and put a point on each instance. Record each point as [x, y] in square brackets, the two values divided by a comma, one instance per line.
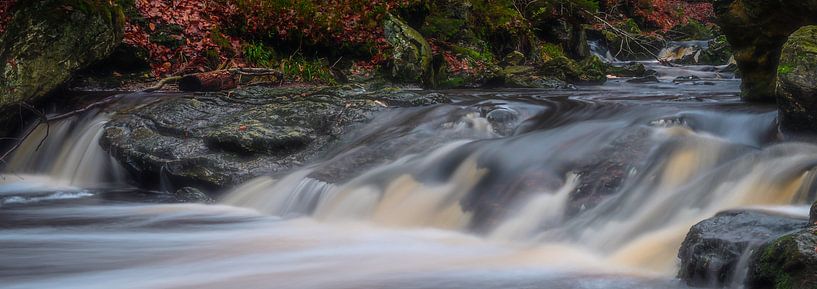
[216, 140]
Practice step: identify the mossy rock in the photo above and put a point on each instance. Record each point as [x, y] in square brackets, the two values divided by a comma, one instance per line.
[633, 69]
[591, 70]
[411, 54]
[797, 89]
[46, 41]
[789, 262]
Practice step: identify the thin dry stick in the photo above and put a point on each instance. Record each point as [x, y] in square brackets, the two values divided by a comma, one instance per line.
[628, 37]
[239, 71]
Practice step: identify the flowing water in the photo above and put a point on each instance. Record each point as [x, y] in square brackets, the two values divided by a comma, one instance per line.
[588, 188]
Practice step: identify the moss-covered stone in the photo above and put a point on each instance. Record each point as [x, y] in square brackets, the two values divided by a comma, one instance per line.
[633, 69]
[797, 90]
[790, 262]
[591, 70]
[46, 41]
[411, 53]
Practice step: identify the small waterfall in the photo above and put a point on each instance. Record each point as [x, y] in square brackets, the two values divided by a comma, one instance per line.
[68, 152]
[694, 168]
[599, 50]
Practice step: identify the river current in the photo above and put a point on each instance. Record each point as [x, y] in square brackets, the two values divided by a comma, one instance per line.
[593, 187]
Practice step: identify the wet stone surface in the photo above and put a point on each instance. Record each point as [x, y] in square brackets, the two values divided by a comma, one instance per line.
[221, 139]
[713, 248]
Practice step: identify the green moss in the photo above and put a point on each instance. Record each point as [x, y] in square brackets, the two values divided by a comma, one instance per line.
[481, 55]
[442, 28]
[453, 82]
[784, 69]
[630, 26]
[550, 51]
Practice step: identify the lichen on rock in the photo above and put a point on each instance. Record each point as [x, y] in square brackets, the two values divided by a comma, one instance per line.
[48, 40]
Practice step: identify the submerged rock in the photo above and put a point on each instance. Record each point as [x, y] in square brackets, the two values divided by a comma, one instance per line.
[790, 262]
[713, 248]
[797, 90]
[221, 139]
[192, 195]
[46, 41]
[645, 79]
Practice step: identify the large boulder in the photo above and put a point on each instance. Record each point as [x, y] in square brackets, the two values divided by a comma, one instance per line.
[797, 90]
[223, 139]
[46, 41]
[757, 31]
[713, 248]
[789, 262]
[411, 53]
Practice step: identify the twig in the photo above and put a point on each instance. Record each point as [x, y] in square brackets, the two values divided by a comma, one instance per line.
[250, 71]
[162, 83]
[628, 37]
[43, 119]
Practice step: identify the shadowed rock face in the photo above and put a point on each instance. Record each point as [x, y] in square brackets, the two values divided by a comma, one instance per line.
[47, 41]
[757, 31]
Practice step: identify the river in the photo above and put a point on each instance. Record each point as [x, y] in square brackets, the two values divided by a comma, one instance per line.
[593, 187]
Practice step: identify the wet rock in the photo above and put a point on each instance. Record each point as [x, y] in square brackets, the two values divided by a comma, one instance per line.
[216, 140]
[589, 71]
[503, 120]
[712, 248]
[813, 214]
[645, 79]
[757, 31]
[192, 195]
[528, 77]
[632, 69]
[686, 79]
[797, 92]
[411, 53]
[788, 262]
[46, 42]
[602, 174]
